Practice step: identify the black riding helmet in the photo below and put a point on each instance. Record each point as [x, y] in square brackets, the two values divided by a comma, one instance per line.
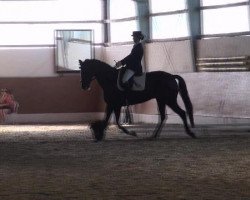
[138, 34]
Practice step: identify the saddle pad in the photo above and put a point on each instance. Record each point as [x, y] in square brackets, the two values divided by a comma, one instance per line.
[138, 85]
[139, 82]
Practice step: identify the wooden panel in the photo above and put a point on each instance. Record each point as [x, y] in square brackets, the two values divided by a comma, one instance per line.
[54, 95]
[215, 64]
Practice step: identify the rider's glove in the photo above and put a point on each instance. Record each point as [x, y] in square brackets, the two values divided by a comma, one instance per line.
[118, 64]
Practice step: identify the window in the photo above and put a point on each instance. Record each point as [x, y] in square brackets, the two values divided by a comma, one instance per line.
[41, 34]
[227, 16]
[60, 10]
[158, 6]
[120, 27]
[169, 26]
[221, 2]
[168, 19]
[121, 31]
[34, 22]
[225, 20]
[120, 9]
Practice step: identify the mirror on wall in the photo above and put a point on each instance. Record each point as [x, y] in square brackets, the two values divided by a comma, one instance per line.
[71, 46]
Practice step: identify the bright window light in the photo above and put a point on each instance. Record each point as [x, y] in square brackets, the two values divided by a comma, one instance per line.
[60, 10]
[40, 17]
[121, 31]
[169, 26]
[41, 34]
[220, 2]
[226, 20]
[122, 9]
[165, 6]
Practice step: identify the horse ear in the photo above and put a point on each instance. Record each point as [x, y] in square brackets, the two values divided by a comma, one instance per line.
[81, 63]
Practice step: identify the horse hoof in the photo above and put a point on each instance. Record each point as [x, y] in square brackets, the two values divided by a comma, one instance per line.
[192, 135]
[151, 138]
[97, 129]
[132, 133]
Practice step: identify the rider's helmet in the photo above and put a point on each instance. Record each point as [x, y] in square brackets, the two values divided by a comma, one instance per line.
[138, 34]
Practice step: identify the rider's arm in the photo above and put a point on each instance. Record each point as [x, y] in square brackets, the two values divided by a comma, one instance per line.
[135, 54]
[118, 64]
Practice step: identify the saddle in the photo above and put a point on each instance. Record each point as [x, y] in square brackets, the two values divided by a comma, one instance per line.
[137, 83]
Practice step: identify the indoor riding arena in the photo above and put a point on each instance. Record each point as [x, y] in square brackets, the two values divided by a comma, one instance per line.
[56, 141]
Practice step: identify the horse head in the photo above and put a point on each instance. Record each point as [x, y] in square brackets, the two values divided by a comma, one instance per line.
[87, 73]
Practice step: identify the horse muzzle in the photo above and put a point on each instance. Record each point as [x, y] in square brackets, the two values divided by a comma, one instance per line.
[86, 84]
[88, 88]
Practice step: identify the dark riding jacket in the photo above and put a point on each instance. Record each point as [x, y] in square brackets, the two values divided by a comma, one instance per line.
[133, 60]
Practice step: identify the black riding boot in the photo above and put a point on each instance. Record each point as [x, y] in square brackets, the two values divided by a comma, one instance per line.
[127, 87]
[128, 116]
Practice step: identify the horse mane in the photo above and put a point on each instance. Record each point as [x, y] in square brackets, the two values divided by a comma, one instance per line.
[103, 65]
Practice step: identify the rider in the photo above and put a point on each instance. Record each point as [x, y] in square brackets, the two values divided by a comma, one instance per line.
[133, 60]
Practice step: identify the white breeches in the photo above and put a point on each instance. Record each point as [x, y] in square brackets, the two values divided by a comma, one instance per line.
[127, 75]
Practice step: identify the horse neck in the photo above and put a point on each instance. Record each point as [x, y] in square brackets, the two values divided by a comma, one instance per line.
[105, 74]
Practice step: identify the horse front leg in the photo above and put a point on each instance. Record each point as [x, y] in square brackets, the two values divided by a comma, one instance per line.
[109, 110]
[98, 127]
[117, 111]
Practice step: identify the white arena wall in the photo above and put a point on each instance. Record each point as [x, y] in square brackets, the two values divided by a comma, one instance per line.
[218, 97]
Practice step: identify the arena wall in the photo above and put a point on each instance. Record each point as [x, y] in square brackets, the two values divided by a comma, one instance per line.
[53, 99]
[218, 97]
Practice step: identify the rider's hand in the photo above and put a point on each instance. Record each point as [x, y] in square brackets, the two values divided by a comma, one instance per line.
[118, 64]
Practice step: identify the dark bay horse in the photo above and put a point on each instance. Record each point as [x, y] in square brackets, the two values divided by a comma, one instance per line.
[159, 85]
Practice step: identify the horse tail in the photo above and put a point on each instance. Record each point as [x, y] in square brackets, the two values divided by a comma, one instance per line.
[185, 97]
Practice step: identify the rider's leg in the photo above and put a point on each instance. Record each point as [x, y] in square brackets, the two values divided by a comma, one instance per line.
[127, 75]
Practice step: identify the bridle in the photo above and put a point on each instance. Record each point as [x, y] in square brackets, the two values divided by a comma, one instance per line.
[92, 78]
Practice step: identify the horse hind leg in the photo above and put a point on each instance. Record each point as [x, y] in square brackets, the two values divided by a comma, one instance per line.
[162, 117]
[175, 107]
